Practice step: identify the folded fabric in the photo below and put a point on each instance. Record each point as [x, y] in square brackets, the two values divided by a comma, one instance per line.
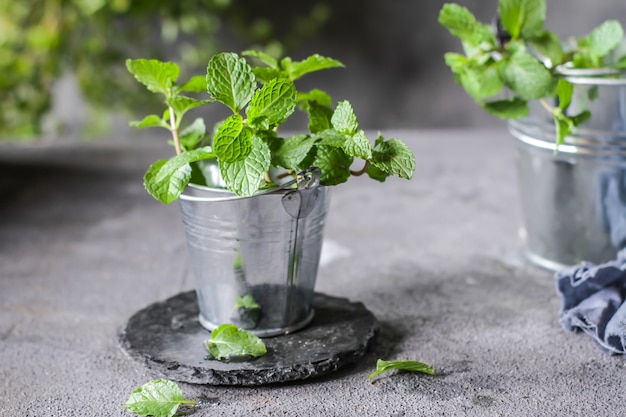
[592, 298]
[613, 205]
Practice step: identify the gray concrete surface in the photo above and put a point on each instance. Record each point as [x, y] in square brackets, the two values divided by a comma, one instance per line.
[437, 260]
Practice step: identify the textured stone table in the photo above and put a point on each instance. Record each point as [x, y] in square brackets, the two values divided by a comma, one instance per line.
[437, 260]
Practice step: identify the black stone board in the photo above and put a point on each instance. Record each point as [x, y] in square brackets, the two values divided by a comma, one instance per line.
[167, 338]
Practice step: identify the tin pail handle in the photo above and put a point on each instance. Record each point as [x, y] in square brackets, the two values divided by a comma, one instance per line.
[299, 202]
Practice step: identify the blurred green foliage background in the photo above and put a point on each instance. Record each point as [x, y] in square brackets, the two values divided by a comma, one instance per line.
[41, 40]
[396, 76]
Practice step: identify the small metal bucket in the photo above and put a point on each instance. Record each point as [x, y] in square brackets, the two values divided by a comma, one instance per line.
[574, 199]
[255, 259]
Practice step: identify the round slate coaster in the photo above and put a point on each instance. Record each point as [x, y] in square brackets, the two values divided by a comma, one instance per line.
[167, 337]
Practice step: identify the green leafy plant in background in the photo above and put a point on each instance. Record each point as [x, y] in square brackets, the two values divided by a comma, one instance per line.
[158, 398]
[42, 40]
[247, 144]
[525, 60]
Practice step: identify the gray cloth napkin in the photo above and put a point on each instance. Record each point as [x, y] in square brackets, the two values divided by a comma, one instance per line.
[592, 299]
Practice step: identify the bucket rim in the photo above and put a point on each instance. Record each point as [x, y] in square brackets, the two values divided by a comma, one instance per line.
[592, 76]
[305, 179]
[576, 143]
[224, 194]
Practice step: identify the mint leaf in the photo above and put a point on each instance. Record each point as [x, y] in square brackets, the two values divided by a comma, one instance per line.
[563, 127]
[157, 76]
[267, 59]
[272, 104]
[192, 134]
[233, 141]
[245, 176]
[408, 365]
[565, 92]
[319, 116]
[158, 398]
[297, 69]
[165, 180]
[604, 38]
[522, 17]
[334, 164]
[330, 137]
[394, 158]
[548, 45]
[458, 20]
[292, 151]
[344, 120]
[462, 24]
[358, 145]
[265, 75]
[197, 84]
[526, 76]
[479, 81]
[376, 174]
[513, 108]
[229, 342]
[456, 62]
[150, 121]
[581, 117]
[565, 124]
[316, 95]
[230, 80]
[182, 104]
[593, 93]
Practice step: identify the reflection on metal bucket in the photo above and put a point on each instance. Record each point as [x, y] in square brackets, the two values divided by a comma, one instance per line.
[574, 200]
[255, 259]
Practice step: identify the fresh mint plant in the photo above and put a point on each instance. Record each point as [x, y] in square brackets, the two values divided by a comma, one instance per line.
[403, 365]
[247, 145]
[524, 59]
[230, 343]
[158, 398]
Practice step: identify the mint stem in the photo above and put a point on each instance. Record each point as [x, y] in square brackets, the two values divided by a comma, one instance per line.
[285, 174]
[174, 130]
[546, 106]
[362, 171]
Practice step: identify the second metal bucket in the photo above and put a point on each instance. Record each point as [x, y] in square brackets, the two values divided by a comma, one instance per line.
[255, 259]
[574, 198]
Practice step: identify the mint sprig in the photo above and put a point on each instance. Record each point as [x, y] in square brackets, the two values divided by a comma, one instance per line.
[523, 63]
[247, 145]
[158, 398]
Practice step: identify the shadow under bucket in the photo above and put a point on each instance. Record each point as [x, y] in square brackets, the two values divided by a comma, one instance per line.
[574, 198]
[255, 259]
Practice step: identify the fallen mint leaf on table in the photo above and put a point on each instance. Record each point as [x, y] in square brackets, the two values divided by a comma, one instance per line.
[157, 398]
[407, 365]
[228, 342]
